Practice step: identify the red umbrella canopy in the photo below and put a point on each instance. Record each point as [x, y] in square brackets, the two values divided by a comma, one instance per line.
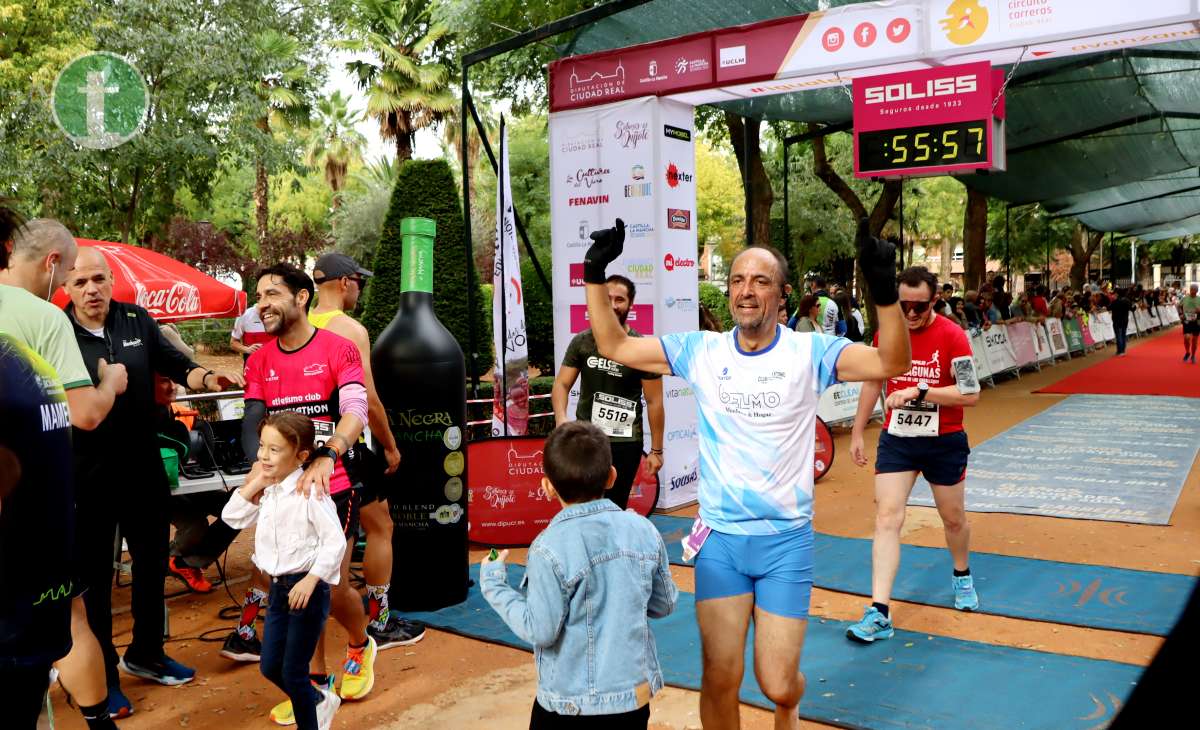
[171, 291]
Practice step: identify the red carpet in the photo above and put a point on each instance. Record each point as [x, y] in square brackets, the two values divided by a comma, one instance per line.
[1149, 367]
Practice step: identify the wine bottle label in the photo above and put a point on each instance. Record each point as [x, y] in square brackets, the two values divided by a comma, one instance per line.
[416, 270]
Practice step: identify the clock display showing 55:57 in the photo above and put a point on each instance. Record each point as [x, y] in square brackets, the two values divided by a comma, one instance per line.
[927, 146]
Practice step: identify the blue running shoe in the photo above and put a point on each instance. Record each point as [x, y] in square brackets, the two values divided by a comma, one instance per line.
[873, 627]
[965, 598]
[119, 705]
[163, 670]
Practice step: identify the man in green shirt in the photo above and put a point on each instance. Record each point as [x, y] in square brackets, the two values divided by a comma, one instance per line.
[610, 397]
[1189, 306]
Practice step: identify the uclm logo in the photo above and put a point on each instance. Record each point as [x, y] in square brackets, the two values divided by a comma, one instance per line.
[910, 91]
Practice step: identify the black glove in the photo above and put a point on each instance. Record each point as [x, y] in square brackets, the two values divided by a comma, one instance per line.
[878, 261]
[607, 247]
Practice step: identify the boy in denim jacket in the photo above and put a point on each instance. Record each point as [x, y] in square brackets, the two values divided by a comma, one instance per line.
[593, 577]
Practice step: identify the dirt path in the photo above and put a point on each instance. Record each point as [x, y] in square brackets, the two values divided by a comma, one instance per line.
[450, 683]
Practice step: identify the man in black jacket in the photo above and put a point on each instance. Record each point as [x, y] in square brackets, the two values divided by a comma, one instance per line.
[1120, 318]
[119, 471]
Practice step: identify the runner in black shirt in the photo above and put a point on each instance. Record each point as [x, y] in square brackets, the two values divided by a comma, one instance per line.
[36, 508]
[610, 396]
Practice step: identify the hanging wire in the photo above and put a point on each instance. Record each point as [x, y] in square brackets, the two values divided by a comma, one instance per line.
[1008, 78]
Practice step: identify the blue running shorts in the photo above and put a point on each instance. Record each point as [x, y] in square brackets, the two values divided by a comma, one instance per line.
[777, 569]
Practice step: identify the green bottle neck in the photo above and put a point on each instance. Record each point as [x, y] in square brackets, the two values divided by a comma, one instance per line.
[416, 270]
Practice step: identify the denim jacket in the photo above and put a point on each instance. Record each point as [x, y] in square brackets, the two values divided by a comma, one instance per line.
[593, 577]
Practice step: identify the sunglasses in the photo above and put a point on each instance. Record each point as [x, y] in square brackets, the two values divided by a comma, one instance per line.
[918, 307]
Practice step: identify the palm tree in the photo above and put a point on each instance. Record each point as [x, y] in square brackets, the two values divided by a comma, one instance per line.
[283, 97]
[406, 90]
[335, 143]
[379, 174]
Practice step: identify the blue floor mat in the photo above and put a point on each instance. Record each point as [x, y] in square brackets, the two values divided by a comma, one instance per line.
[1117, 458]
[1094, 596]
[909, 681]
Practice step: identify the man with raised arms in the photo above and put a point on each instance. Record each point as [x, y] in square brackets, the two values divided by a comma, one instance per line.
[757, 389]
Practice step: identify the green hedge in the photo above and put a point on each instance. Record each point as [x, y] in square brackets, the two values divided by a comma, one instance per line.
[213, 334]
[426, 189]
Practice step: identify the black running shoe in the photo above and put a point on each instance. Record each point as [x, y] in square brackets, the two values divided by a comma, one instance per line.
[398, 632]
[242, 650]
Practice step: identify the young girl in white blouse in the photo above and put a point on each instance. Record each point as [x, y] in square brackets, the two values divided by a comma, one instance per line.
[300, 544]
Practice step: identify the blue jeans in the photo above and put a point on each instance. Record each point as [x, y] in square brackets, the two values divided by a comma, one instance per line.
[1120, 333]
[288, 642]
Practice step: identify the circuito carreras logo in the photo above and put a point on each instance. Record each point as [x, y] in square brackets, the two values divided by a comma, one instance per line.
[965, 22]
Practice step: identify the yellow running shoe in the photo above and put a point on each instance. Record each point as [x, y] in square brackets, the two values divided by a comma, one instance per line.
[358, 676]
[282, 714]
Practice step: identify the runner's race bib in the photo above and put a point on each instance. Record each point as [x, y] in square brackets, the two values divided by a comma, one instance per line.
[1189, 316]
[914, 420]
[613, 415]
[323, 430]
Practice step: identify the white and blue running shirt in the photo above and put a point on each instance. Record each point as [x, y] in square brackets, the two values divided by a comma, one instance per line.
[757, 415]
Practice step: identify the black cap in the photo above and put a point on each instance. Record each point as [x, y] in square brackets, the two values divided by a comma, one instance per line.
[336, 265]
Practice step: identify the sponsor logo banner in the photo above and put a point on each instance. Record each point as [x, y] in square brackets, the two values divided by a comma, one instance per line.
[641, 271]
[641, 318]
[576, 274]
[670, 263]
[587, 178]
[600, 78]
[676, 176]
[678, 219]
[575, 200]
[940, 95]
[679, 133]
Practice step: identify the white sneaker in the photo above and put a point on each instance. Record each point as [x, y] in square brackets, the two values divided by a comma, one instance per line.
[327, 708]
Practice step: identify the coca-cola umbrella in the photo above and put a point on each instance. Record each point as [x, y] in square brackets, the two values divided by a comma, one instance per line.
[171, 291]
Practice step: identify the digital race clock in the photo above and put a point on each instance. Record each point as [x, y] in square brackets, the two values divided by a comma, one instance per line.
[935, 121]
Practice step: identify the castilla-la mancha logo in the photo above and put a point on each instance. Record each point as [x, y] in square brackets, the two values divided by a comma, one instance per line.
[100, 100]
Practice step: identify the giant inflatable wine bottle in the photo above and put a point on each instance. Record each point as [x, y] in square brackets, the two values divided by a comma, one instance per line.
[421, 378]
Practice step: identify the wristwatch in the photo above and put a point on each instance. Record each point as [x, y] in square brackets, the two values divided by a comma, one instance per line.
[922, 390]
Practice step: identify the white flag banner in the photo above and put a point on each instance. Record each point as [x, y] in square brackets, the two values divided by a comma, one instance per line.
[510, 392]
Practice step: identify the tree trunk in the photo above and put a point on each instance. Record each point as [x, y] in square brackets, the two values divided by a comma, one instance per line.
[760, 185]
[1083, 244]
[261, 201]
[404, 138]
[946, 268]
[974, 239]
[885, 204]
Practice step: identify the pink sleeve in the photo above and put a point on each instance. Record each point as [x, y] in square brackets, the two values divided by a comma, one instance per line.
[347, 364]
[253, 373]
